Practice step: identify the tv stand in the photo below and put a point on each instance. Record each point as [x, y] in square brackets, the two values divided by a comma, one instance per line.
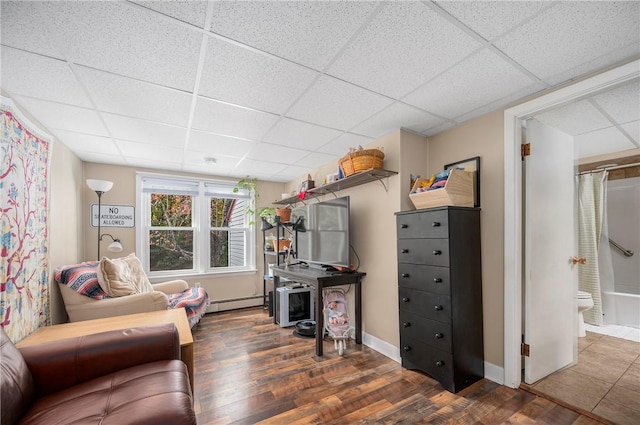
[320, 279]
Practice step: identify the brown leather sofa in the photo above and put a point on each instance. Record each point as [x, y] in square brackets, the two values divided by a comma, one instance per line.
[132, 376]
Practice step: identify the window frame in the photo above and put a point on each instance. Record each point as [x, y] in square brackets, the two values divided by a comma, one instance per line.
[201, 225]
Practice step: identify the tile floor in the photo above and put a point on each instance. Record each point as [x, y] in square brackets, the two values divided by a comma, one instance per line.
[605, 381]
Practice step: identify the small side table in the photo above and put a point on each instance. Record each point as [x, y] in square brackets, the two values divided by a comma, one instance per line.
[320, 279]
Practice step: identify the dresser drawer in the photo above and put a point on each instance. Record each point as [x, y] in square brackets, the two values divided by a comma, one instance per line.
[427, 224]
[431, 252]
[427, 278]
[425, 304]
[436, 363]
[430, 332]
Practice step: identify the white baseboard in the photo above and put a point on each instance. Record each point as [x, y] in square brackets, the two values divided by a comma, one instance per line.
[233, 305]
[381, 347]
[494, 373]
[491, 372]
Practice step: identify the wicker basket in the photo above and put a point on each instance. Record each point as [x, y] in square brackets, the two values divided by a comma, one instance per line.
[357, 161]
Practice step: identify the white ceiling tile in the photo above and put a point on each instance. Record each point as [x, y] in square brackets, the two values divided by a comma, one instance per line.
[601, 142]
[569, 34]
[405, 45]
[28, 74]
[306, 32]
[478, 80]
[223, 118]
[213, 144]
[25, 25]
[298, 134]
[316, 159]
[509, 100]
[294, 171]
[137, 130]
[190, 11]
[194, 160]
[337, 104]
[126, 40]
[154, 164]
[491, 19]
[622, 103]
[575, 118]
[247, 78]
[258, 169]
[340, 146]
[100, 158]
[125, 96]
[64, 117]
[395, 117]
[633, 128]
[149, 151]
[78, 142]
[595, 65]
[276, 153]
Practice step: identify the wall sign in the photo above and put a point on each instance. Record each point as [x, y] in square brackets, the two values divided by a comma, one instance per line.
[113, 215]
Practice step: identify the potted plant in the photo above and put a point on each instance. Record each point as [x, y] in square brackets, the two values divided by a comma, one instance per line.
[284, 214]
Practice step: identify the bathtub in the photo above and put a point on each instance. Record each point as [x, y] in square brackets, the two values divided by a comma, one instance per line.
[621, 309]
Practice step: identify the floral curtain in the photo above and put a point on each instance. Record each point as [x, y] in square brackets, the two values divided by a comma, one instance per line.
[24, 234]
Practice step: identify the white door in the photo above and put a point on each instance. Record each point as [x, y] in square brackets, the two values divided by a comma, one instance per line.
[551, 279]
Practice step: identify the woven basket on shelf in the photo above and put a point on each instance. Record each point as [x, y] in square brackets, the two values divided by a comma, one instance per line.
[361, 160]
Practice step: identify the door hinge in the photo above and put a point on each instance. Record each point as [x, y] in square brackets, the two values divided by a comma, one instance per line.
[525, 150]
[524, 349]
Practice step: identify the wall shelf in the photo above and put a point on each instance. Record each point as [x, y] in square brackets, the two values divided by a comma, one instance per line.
[370, 175]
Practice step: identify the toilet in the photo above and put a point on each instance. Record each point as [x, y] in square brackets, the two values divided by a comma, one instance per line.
[585, 302]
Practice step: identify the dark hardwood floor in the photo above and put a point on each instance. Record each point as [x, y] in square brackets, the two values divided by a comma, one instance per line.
[250, 371]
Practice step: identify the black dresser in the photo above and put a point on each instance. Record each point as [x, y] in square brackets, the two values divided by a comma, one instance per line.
[440, 294]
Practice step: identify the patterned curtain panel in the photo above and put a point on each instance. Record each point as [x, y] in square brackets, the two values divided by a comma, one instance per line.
[24, 233]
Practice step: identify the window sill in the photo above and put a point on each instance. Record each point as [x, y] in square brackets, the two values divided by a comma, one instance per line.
[207, 275]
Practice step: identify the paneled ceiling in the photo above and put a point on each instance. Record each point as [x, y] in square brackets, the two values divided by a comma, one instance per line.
[275, 89]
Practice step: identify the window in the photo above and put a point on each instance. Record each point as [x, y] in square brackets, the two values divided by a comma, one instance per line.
[191, 226]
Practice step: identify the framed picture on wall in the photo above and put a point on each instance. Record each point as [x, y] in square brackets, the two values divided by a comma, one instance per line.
[470, 164]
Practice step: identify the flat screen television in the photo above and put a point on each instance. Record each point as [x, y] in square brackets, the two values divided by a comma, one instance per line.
[325, 240]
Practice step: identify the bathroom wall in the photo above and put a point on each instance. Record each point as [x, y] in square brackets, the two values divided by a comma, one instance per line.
[623, 209]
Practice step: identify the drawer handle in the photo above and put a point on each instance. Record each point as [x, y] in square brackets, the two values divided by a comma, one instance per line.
[437, 280]
[439, 336]
[405, 299]
[404, 226]
[439, 363]
[405, 274]
[406, 348]
[437, 252]
[404, 250]
[435, 224]
[406, 324]
[438, 307]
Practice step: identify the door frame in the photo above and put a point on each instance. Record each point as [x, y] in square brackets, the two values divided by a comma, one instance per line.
[513, 226]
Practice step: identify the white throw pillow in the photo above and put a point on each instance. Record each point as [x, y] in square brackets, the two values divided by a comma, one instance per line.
[123, 276]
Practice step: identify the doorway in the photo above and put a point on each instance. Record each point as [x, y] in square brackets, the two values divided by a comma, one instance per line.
[513, 225]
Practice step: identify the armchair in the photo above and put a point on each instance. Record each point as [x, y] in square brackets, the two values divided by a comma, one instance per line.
[107, 288]
[81, 307]
[131, 376]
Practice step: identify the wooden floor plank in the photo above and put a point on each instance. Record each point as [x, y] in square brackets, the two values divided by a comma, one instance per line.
[248, 371]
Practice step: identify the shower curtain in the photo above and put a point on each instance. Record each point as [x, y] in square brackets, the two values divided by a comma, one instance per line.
[590, 219]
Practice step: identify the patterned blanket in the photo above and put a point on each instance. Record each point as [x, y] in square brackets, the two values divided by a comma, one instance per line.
[194, 301]
[82, 278]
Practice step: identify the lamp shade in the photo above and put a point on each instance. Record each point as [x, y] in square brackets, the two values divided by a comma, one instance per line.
[99, 185]
[115, 246]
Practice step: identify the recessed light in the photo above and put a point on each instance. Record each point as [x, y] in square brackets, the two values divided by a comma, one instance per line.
[210, 160]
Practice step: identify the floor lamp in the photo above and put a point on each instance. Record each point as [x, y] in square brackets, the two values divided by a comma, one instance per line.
[100, 187]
